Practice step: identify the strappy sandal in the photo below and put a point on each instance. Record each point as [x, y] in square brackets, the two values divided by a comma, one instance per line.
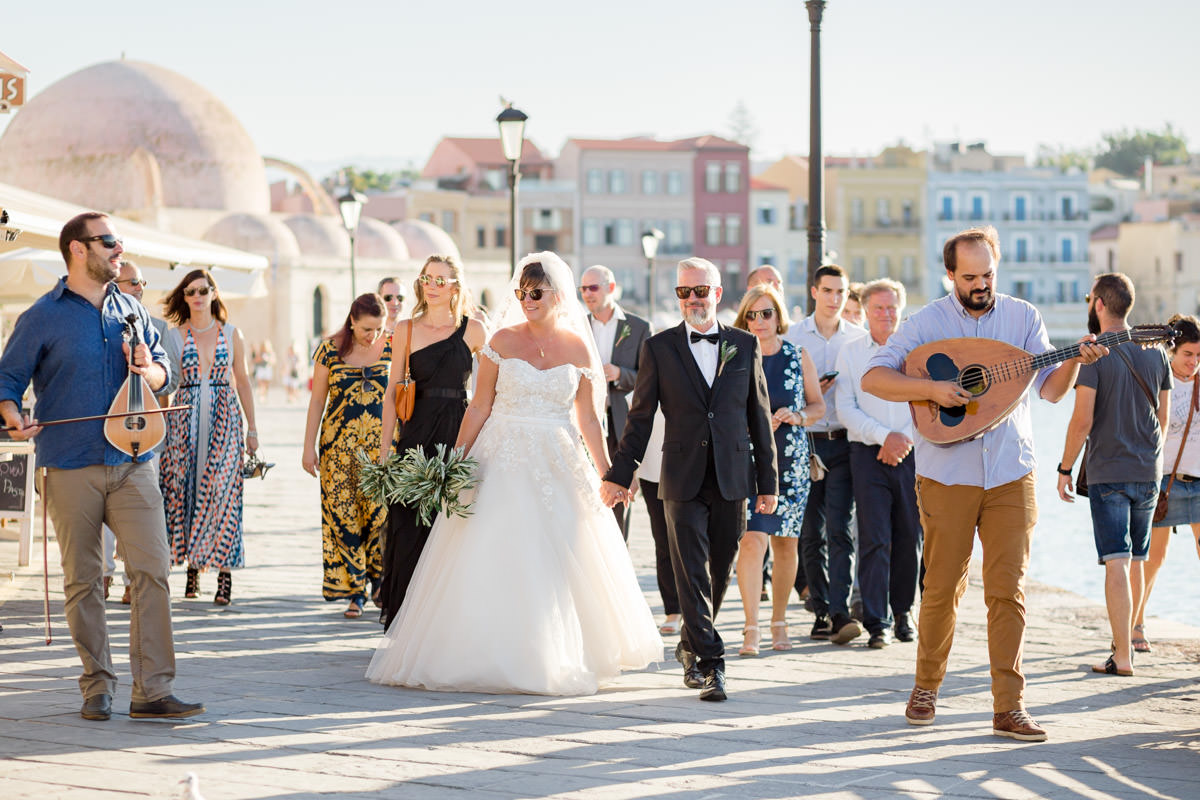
[224, 589]
[749, 647]
[355, 610]
[1109, 667]
[780, 640]
[191, 589]
[1139, 642]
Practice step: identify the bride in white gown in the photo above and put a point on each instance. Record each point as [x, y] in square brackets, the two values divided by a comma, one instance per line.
[534, 592]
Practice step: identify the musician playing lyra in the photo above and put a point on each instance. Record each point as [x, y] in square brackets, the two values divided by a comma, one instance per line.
[70, 344]
[985, 482]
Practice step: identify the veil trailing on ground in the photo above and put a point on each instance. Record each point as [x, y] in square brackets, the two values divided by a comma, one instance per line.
[572, 316]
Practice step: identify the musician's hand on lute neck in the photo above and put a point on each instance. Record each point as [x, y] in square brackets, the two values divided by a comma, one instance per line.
[1089, 351]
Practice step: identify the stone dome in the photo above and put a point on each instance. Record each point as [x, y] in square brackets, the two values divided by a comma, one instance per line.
[425, 239]
[377, 239]
[319, 236]
[127, 135]
[256, 234]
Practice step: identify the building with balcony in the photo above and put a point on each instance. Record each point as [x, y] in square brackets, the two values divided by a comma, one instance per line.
[1041, 215]
[881, 206]
[778, 237]
[696, 191]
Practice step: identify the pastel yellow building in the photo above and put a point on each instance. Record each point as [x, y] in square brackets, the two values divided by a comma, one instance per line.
[879, 206]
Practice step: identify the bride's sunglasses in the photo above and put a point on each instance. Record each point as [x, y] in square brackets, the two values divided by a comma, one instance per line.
[534, 294]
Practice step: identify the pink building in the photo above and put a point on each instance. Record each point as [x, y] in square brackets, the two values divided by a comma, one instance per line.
[721, 180]
[478, 164]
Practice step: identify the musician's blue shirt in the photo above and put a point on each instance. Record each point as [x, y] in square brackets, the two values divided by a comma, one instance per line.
[1005, 453]
[72, 352]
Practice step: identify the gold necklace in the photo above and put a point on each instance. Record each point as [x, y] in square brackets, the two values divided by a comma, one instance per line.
[541, 352]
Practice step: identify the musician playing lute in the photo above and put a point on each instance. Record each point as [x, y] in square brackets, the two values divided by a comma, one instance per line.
[69, 343]
[984, 483]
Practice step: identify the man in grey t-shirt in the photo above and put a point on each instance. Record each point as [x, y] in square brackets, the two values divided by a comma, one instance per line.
[1121, 405]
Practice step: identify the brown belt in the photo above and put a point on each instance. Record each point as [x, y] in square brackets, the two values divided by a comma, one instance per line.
[840, 433]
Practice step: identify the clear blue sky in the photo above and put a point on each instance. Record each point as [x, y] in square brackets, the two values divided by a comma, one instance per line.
[368, 81]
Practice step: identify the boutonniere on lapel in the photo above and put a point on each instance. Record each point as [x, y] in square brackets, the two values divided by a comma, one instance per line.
[725, 355]
[622, 333]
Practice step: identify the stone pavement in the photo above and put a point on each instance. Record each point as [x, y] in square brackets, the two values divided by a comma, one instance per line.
[290, 715]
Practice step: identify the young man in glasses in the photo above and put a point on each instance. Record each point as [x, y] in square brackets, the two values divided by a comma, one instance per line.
[393, 298]
[708, 379]
[70, 345]
[619, 336]
[826, 538]
[130, 281]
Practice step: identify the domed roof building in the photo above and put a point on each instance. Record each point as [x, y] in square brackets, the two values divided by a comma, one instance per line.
[144, 143]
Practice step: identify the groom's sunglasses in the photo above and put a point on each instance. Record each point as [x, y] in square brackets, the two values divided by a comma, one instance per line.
[534, 294]
[701, 291]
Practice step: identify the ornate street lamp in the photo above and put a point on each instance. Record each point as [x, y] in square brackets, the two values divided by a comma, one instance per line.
[512, 142]
[350, 206]
[650, 240]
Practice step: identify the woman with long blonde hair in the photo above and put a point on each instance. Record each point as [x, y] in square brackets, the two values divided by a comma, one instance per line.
[441, 339]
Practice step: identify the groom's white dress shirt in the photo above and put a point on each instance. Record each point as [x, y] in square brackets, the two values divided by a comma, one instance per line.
[704, 352]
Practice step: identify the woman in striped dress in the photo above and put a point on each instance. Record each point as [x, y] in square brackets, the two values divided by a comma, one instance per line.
[201, 465]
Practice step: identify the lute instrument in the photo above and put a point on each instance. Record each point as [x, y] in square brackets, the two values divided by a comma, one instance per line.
[132, 429]
[996, 375]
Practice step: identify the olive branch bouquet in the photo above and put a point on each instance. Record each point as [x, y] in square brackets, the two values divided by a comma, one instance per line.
[427, 484]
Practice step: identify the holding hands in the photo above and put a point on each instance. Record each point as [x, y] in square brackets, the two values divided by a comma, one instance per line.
[612, 493]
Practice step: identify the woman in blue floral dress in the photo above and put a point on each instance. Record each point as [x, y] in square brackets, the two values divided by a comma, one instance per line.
[795, 400]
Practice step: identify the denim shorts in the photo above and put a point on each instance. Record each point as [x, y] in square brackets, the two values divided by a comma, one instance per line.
[1184, 505]
[1121, 515]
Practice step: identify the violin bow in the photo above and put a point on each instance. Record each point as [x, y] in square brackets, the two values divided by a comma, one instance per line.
[103, 416]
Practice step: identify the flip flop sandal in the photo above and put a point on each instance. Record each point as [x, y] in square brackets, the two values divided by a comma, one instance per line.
[1110, 668]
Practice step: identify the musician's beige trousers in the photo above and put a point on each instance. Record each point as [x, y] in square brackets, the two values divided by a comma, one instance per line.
[127, 498]
[1005, 517]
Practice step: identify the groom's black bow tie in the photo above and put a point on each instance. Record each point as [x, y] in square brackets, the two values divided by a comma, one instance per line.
[711, 338]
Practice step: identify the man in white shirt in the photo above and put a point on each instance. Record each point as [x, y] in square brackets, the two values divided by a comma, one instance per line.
[826, 544]
[881, 441]
[619, 336]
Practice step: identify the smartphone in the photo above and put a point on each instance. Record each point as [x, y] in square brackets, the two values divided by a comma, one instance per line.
[828, 376]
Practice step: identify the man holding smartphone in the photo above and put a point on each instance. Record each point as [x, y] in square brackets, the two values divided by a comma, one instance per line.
[826, 544]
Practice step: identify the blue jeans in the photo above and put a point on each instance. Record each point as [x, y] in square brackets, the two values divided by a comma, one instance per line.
[1121, 515]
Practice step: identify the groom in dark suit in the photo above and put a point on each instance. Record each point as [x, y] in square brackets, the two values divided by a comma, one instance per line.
[718, 451]
[619, 336]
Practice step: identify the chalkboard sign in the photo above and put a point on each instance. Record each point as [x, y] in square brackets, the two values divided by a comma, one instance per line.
[13, 482]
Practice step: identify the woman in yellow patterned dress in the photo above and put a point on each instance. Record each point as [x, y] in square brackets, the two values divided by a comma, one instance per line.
[350, 371]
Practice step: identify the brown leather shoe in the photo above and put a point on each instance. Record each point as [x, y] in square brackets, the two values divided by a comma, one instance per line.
[922, 704]
[1018, 725]
[127, 598]
[107, 585]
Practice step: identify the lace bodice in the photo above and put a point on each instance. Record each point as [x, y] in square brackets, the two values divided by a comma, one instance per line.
[523, 390]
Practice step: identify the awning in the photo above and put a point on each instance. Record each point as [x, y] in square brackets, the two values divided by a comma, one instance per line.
[28, 273]
[31, 220]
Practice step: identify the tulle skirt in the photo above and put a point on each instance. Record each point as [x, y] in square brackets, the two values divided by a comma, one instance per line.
[534, 592]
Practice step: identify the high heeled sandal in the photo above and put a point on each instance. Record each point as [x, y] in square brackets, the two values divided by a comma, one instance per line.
[749, 646]
[224, 589]
[191, 589]
[780, 641]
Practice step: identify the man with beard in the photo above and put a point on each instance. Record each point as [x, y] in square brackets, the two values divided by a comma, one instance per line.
[1121, 409]
[984, 484]
[69, 343]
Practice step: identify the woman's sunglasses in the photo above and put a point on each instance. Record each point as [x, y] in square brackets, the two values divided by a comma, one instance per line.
[701, 291]
[534, 294]
[766, 313]
[109, 241]
[436, 280]
[202, 291]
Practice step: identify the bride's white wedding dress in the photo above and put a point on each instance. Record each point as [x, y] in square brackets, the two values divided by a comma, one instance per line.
[534, 592]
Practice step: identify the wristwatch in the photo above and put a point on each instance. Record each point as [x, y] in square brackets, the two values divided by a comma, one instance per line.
[803, 418]
[1062, 471]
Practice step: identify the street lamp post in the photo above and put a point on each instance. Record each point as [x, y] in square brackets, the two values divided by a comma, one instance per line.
[512, 142]
[350, 206]
[650, 240]
[816, 161]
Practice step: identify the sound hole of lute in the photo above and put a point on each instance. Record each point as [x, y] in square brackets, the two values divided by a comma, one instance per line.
[974, 379]
[135, 423]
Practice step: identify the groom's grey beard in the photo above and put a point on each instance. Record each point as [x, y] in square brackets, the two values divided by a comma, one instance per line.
[697, 317]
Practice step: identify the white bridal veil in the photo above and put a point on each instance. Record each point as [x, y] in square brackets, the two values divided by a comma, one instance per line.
[572, 316]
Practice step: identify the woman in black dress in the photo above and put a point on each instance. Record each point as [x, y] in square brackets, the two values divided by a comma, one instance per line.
[445, 338]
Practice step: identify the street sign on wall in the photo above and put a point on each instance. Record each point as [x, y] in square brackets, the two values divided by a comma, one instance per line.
[12, 91]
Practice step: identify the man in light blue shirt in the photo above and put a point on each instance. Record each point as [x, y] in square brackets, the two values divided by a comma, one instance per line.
[826, 542]
[986, 483]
